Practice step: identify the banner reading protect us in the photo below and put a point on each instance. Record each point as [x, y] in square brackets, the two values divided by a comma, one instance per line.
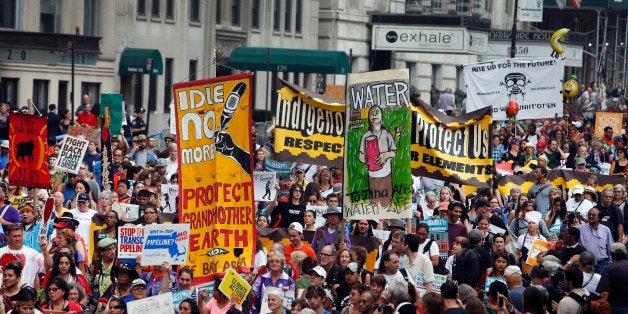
[377, 146]
[215, 176]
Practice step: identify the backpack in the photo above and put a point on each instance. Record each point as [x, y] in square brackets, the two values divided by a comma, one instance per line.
[592, 304]
[440, 268]
[466, 267]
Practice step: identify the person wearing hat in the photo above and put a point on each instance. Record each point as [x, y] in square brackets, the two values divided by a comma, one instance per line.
[330, 233]
[352, 280]
[317, 276]
[123, 274]
[83, 214]
[140, 152]
[138, 291]
[612, 285]
[524, 243]
[513, 154]
[581, 165]
[4, 154]
[578, 204]
[295, 235]
[102, 267]
[138, 126]
[299, 177]
[596, 238]
[31, 226]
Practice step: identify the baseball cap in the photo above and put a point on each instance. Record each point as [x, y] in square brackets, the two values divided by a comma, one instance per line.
[138, 282]
[352, 267]
[104, 243]
[5, 144]
[581, 161]
[618, 138]
[318, 271]
[578, 189]
[83, 197]
[296, 227]
[140, 110]
[396, 223]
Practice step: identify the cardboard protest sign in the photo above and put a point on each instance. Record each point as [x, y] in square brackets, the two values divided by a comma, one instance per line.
[168, 198]
[377, 146]
[538, 246]
[452, 149]
[234, 287]
[159, 304]
[73, 150]
[215, 172]
[606, 119]
[130, 242]
[534, 84]
[28, 165]
[165, 243]
[265, 185]
[309, 127]
[439, 232]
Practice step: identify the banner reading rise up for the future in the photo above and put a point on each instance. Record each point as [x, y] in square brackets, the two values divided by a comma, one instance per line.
[309, 127]
[453, 149]
[215, 178]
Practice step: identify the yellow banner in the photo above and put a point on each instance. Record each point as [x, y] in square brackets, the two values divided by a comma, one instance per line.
[308, 127]
[215, 182]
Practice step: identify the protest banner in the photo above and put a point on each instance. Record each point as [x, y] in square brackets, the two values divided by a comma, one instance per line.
[215, 172]
[567, 178]
[534, 84]
[130, 242]
[604, 119]
[159, 304]
[73, 150]
[320, 211]
[28, 164]
[234, 287]
[179, 296]
[265, 185]
[452, 149]
[377, 146]
[277, 166]
[168, 198]
[538, 246]
[439, 232]
[309, 127]
[165, 243]
[114, 103]
[130, 212]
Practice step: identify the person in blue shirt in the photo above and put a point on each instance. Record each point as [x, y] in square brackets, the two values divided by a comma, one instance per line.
[31, 226]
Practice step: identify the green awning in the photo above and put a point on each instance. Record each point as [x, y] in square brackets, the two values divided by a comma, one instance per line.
[289, 60]
[143, 61]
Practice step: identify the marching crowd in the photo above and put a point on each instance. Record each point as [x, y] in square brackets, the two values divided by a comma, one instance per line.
[491, 266]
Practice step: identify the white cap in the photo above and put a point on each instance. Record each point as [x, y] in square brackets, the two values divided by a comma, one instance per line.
[534, 216]
[296, 227]
[319, 271]
[578, 189]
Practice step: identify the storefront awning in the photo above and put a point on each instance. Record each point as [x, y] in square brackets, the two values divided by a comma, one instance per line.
[289, 60]
[142, 61]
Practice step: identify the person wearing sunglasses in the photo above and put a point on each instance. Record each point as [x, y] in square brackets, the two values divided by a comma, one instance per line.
[58, 292]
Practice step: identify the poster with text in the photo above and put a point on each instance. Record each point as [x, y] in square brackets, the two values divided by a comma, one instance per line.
[169, 197]
[159, 304]
[439, 232]
[28, 165]
[452, 149]
[130, 242]
[377, 146]
[165, 243]
[534, 84]
[265, 185]
[215, 172]
[606, 119]
[72, 152]
[234, 287]
[309, 127]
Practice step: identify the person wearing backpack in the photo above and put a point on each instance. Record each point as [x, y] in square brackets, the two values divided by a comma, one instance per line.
[467, 267]
[612, 285]
[576, 300]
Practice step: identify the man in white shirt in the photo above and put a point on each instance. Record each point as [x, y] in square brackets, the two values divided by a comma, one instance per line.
[578, 203]
[417, 265]
[15, 250]
[390, 264]
[84, 215]
[431, 251]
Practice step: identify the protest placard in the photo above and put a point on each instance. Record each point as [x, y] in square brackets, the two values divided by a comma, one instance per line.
[439, 232]
[165, 243]
[179, 296]
[72, 152]
[265, 185]
[320, 211]
[538, 246]
[234, 287]
[606, 119]
[28, 162]
[159, 304]
[130, 242]
[207, 287]
[131, 211]
[168, 198]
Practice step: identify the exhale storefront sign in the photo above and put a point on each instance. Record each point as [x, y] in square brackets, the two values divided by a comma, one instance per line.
[429, 39]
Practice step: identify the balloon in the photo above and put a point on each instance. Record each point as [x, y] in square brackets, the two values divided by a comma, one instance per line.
[557, 42]
[512, 109]
[570, 89]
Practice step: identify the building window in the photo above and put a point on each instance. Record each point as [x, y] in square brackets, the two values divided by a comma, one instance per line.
[50, 16]
[508, 6]
[8, 14]
[437, 75]
[218, 12]
[62, 97]
[255, 14]
[192, 71]
[195, 10]
[8, 90]
[170, 9]
[235, 13]
[277, 15]
[488, 6]
[91, 89]
[298, 16]
[91, 19]
[141, 8]
[168, 84]
[155, 8]
[40, 94]
[287, 16]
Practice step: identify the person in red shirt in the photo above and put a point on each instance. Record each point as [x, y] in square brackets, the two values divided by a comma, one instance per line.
[295, 234]
[86, 117]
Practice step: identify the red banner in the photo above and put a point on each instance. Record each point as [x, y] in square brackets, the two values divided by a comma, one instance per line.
[28, 165]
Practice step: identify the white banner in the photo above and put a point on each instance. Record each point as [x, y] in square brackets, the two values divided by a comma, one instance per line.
[265, 187]
[159, 304]
[165, 243]
[534, 84]
[72, 152]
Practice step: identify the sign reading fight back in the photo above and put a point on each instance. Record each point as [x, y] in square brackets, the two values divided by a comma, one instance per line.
[28, 165]
[377, 146]
[309, 127]
[215, 176]
[453, 149]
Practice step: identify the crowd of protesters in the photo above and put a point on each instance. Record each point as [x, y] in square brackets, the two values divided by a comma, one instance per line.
[491, 236]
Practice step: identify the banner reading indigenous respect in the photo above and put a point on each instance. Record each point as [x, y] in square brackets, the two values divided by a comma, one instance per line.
[28, 164]
[377, 146]
[534, 84]
[452, 149]
[215, 172]
[309, 127]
